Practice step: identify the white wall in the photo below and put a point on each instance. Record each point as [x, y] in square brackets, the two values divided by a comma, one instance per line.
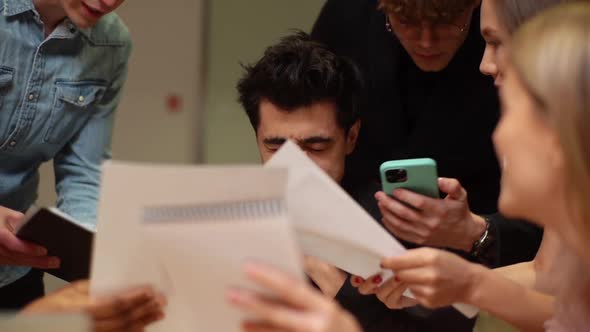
[168, 38]
[239, 31]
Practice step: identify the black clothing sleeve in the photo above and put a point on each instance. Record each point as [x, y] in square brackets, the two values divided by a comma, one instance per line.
[516, 240]
[351, 28]
[513, 241]
[342, 23]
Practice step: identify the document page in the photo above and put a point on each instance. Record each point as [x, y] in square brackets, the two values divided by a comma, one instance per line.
[188, 231]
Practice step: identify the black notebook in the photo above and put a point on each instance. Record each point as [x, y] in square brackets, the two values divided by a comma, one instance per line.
[63, 237]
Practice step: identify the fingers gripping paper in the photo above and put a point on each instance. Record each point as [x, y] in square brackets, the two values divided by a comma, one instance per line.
[330, 225]
[188, 231]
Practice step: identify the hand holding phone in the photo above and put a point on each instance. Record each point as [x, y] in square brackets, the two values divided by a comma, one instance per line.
[418, 215]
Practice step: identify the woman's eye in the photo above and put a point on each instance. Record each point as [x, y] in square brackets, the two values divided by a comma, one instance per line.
[493, 43]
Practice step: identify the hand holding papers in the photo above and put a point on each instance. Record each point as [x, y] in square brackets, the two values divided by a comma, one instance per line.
[330, 225]
[188, 231]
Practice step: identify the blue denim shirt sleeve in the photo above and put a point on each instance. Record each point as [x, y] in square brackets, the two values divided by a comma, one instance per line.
[77, 165]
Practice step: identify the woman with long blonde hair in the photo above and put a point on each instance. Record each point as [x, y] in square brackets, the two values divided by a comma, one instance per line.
[551, 66]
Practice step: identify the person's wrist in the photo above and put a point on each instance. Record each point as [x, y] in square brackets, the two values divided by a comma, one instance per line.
[475, 230]
[335, 284]
[330, 288]
[475, 274]
[329, 284]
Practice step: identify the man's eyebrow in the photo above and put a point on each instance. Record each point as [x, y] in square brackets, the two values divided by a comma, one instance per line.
[274, 141]
[317, 139]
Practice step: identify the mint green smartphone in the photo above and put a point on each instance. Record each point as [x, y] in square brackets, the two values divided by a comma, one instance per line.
[417, 175]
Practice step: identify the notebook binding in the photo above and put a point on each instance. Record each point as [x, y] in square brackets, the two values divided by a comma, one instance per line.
[244, 210]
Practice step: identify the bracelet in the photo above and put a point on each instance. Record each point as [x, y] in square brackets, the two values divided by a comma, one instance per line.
[479, 245]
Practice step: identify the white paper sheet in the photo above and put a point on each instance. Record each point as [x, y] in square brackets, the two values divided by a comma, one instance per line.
[331, 226]
[328, 222]
[195, 255]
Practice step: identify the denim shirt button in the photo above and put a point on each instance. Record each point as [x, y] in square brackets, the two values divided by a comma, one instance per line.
[81, 99]
[31, 96]
[12, 143]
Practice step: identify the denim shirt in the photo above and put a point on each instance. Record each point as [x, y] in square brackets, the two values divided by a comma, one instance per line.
[58, 96]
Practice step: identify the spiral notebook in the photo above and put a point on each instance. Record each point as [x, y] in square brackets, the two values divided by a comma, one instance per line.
[188, 231]
[331, 226]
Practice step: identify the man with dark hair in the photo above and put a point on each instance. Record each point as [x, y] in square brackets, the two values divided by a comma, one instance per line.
[299, 90]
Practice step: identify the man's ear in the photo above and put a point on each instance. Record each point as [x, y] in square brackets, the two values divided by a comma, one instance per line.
[352, 137]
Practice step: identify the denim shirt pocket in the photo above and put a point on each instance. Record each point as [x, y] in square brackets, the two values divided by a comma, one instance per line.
[73, 106]
[6, 75]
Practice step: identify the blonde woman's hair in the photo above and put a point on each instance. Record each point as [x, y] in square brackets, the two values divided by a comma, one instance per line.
[551, 54]
[513, 13]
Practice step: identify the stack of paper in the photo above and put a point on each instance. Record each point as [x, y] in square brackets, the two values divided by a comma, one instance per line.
[188, 231]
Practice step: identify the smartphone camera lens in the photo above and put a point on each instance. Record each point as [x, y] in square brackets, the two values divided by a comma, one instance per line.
[396, 176]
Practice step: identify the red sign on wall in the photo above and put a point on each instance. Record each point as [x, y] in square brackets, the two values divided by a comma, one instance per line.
[174, 103]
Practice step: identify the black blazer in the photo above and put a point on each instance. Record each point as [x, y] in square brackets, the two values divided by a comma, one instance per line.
[448, 116]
